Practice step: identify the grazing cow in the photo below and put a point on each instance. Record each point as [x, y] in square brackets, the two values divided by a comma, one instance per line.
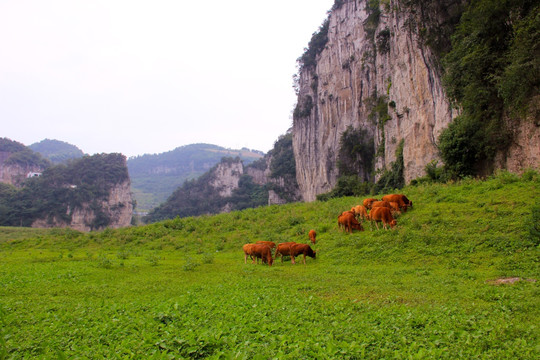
[304, 249]
[367, 202]
[395, 208]
[398, 199]
[341, 218]
[262, 251]
[312, 236]
[360, 212]
[247, 252]
[349, 222]
[382, 203]
[284, 249]
[384, 215]
[406, 201]
[270, 244]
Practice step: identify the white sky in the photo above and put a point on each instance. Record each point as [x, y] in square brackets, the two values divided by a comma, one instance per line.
[141, 77]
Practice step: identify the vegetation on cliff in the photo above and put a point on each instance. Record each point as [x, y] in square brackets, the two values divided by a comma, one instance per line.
[492, 71]
[439, 286]
[63, 188]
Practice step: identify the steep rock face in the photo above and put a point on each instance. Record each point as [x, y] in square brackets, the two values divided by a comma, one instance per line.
[15, 174]
[359, 68]
[226, 179]
[118, 207]
[227, 176]
[281, 190]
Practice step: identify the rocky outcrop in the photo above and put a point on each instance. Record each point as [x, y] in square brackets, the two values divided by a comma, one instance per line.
[117, 207]
[15, 173]
[360, 69]
[227, 176]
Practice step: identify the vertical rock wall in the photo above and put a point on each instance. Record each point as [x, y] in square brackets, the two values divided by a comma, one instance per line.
[357, 68]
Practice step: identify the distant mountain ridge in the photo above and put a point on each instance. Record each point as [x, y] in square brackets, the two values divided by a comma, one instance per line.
[154, 177]
[57, 151]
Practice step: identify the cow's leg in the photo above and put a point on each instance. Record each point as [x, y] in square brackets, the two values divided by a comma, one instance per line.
[304, 259]
[377, 224]
[245, 258]
[292, 260]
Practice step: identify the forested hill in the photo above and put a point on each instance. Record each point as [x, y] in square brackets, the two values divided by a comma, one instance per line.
[90, 193]
[155, 176]
[57, 151]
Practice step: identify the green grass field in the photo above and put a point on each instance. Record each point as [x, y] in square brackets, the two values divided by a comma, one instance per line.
[180, 288]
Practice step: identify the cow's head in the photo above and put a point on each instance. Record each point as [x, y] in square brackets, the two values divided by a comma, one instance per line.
[393, 223]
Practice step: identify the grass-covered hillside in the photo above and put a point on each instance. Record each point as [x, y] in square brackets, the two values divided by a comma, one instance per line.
[180, 288]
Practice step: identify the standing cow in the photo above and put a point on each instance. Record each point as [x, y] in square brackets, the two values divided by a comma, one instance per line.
[284, 249]
[301, 249]
[349, 222]
[262, 251]
[384, 215]
[312, 236]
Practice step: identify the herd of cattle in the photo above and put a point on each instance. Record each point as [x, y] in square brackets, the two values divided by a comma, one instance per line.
[373, 210]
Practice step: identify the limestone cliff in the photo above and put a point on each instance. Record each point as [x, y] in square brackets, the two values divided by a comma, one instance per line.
[377, 73]
[365, 63]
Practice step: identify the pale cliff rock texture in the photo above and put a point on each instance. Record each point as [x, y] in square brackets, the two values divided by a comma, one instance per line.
[357, 68]
[118, 207]
[227, 176]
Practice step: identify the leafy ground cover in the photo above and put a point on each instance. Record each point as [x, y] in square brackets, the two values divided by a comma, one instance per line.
[180, 288]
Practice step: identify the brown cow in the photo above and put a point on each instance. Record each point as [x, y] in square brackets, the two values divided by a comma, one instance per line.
[270, 244]
[406, 200]
[341, 217]
[312, 236]
[349, 222]
[367, 202]
[263, 252]
[382, 214]
[398, 198]
[304, 249]
[284, 249]
[247, 252]
[360, 212]
[395, 208]
[382, 203]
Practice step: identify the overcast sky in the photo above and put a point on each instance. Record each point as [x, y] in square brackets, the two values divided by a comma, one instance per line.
[144, 77]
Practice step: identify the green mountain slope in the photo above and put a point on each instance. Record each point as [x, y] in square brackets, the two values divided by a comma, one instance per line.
[180, 288]
[155, 177]
[57, 151]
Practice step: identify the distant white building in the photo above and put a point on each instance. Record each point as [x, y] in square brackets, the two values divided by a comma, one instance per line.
[33, 174]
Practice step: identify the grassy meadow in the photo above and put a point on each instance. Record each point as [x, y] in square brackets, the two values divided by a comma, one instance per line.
[180, 288]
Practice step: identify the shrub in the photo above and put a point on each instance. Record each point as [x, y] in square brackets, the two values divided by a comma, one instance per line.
[356, 153]
[393, 178]
[350, 185]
